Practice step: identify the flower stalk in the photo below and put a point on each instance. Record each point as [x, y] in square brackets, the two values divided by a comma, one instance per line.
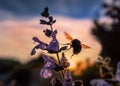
[53, 47]
[62, 73]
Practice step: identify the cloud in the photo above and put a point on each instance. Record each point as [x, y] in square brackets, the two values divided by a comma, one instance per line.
[72, 8]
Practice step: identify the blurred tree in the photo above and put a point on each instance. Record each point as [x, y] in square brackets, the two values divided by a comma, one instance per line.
[89, 74]
[107, 30]
[21, 75]
[6, 65]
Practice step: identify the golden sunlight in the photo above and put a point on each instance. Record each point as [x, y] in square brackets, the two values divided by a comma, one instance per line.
[72, 64]
[16, 37]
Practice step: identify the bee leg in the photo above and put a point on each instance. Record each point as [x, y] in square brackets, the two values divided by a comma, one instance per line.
[71, 56]
[69, 48]
[68, 44]
[65, 44]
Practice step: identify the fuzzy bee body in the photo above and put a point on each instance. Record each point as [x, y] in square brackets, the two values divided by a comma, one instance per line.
[76, 45]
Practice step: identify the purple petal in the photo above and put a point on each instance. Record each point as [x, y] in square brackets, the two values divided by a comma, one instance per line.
[94, 82]
[33, 50]
[46, 58]
[42, 45]
[68, 79]
[63, 59]
[99, 82]
[53, 46]
[53, 36]
[118, 72]
[50, 64]
[36, 39]
[45, 73]
[68, 84]
[68, 75]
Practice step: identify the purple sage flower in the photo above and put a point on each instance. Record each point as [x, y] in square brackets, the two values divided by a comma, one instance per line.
[41, 45]
[45, 73]
[68, 79]
[56, 82]
[64, 61]
[49, 63]
[103, 61]
[99, 82]
[49, 66]
[53, 46]
[69, 82]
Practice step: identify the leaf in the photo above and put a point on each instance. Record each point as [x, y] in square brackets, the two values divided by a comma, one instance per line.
[46, 9]
[48, 32]
[58, 68]
[55, 31]
[54, 21]
[50, 19]
[44, 22]
[63, 48]
[33, 52]
[45, 13]
[36, 39]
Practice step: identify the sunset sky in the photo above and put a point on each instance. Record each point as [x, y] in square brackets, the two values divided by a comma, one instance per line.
[19, 22]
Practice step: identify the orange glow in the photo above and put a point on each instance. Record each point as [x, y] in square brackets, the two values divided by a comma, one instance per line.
[16, 37]
[72, 64]
[79, 66]
[79, 69]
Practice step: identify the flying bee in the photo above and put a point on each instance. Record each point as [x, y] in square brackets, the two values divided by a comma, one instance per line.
[75, 44]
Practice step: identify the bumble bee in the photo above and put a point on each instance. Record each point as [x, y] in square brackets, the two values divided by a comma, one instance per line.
[75, 44]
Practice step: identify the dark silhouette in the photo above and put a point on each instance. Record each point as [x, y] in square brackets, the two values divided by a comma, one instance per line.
[109, 34]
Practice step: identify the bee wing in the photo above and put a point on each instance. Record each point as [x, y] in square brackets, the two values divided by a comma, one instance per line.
[68, 36]
[85, 46]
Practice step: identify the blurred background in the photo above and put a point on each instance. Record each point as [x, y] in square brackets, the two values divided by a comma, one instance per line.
[95, 23]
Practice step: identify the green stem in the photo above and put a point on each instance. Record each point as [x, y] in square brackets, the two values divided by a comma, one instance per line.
[58, 59]
[51, 27]
[60, 65]
[62, 74]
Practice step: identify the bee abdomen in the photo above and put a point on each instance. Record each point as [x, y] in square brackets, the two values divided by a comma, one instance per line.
[76, 44]
[76, 50]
